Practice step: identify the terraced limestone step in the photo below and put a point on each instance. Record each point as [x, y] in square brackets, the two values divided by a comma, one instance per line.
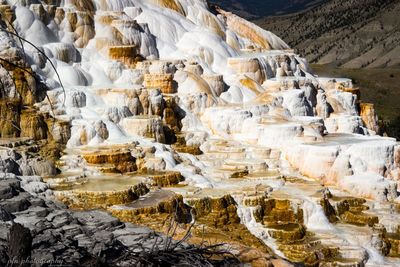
[284, 219]
[286, 232]
[225, 160]
[153, 209]
[182, 146]
[112, 160]
[102, 192]
[311, 252]
[146, 126]
[165, 179]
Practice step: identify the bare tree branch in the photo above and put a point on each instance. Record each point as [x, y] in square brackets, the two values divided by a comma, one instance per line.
[42, 53]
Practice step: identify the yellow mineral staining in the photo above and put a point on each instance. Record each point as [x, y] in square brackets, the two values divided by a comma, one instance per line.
[194, 150]
[246, 30]
[101, 157]
[351, 210]
[86, 33]
[359, 218]
[72, 19]
[106, 19]
[389, 242]
[394, 241]
[59, 15]
[354, 90]
[217, 220]
[121, 159]
[119, 28]
[212, 23]
[169, 115]
[215, 82]
[153, 209]
[121, 23]
[83, 26]
[250, 67]
[10, 118]
[369, 116]
[17, 114]
[33, 125]
[272, 211]
[84, 5]
[63, 53]
[182, 147]
[144, 65]
[80, 199]
[126, 54]
[80, 22]
[233, 42]
[329, 210]
[7, 13]
[287, 232]
[170, 4]
[201, 84]
[397, 159]
[283, 220]
[26, 86]
[252, 85]
[313, 253]
[149, 114]
[219, 211]
[102, 44]
[167, 179]
[355, 211]
[264, 98]
[163, 81]
[244, 65]
[240, 174]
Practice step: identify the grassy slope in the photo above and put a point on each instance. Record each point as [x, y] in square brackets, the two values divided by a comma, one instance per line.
[378, 86]
[351, 34]
[257, 9]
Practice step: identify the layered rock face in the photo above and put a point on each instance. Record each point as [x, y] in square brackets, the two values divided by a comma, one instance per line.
[180, 111]
[51, 233]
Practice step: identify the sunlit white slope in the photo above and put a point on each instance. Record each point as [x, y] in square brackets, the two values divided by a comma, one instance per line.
[231, 78]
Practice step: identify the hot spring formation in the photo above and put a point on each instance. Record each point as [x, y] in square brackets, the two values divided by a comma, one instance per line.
[152, 108]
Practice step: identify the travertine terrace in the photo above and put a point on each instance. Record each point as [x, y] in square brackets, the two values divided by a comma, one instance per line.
[174, 107]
